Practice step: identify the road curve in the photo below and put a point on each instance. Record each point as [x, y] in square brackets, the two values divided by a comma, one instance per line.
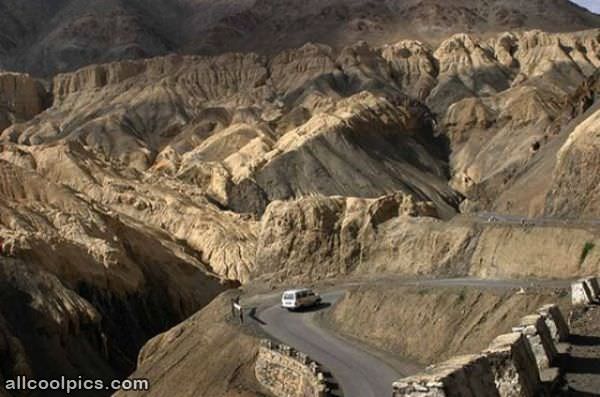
[359, 373]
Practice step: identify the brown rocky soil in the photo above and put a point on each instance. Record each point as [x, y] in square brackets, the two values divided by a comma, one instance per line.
[206, 355]
[83, 288]
[430, 324]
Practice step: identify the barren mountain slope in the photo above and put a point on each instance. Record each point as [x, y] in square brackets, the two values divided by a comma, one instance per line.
[248, 130]
[319, 238]
[431, 324]
[500, 129]
[82, 286]
[531, 187]
[205, 356]
[46, 37]
[148, 186]
[574, 189]
[155, 139]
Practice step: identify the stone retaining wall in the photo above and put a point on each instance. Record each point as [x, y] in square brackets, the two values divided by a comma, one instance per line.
[585, 291]
[289, 373]
[518, 364]
[465, 376]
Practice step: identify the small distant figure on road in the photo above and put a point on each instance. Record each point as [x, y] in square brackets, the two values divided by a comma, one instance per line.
[237, 310]
[233, 302]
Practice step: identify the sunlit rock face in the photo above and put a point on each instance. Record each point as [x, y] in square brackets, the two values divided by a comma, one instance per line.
[133, 192]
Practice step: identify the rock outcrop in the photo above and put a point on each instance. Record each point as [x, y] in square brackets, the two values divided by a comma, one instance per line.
[575, 189]
[327, 237]
[83, 286]
[248, 130]
[21, 98]
[507, 94]
[315, 238]
[286, 372]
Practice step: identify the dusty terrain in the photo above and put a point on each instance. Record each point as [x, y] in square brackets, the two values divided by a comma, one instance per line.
[430, 324]
[206, 355]
[397, 327]
[135, 191]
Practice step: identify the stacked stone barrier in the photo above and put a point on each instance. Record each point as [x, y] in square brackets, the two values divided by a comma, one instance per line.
[467, 376]
[286, 372]
[518, 364]
[585, 291]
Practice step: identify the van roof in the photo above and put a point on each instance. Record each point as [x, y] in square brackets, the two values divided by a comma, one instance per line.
[295, 291]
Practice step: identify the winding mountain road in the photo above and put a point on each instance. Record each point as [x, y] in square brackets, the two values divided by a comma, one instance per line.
[359, 372]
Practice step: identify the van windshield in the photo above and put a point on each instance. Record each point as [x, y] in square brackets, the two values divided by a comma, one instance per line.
[288, 296]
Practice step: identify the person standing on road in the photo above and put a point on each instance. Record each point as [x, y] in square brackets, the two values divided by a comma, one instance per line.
[233, 307]
[236, 306]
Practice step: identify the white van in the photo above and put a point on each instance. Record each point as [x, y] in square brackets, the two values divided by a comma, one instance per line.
[299, 298]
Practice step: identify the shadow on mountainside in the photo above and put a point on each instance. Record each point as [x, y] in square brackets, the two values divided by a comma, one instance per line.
[582, 364]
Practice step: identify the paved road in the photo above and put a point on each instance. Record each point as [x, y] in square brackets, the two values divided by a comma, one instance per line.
[359, 372]
[494, 217]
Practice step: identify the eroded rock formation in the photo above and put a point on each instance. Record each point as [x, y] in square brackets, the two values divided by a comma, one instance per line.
[148, 186]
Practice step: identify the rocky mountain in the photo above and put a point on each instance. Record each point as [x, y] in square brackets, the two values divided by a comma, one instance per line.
[21, 98]
[133, 192]
[46, 37]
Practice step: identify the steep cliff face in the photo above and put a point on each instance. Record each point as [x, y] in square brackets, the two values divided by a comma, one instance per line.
[326, 237]
[501, 130]
[206, 355]
[317, 238]
[531, 188]
[575, 187]
[21, 98]
[218, 241]
[83, 287]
